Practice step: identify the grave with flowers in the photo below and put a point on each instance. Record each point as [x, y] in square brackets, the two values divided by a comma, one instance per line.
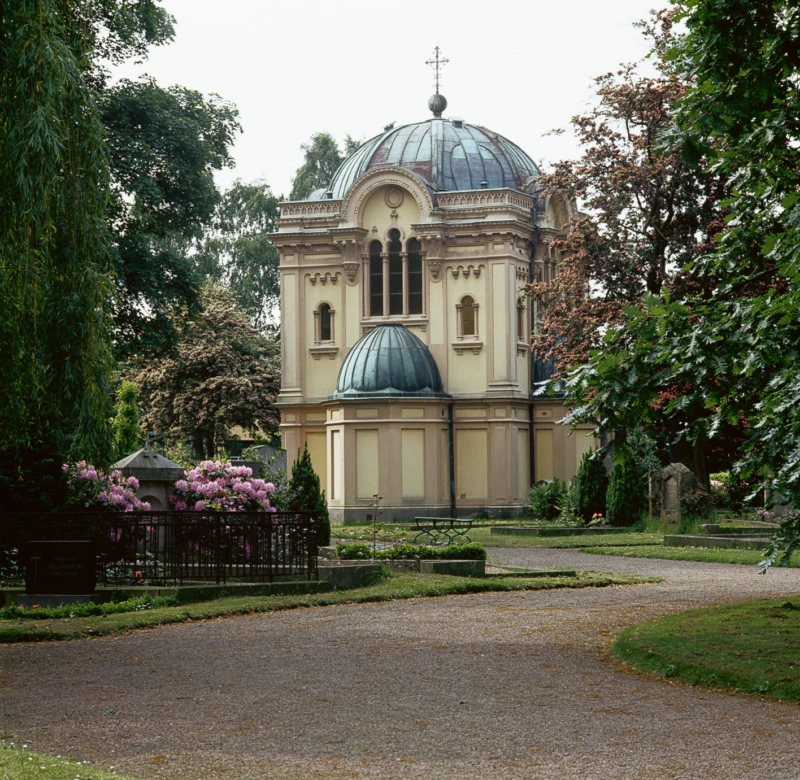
[215, 524]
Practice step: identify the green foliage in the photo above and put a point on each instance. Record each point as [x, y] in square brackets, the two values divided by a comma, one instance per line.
[546, 500]
[127, 434]
[722, 351]
[306, 495]
[55, 272]
[30, 477]
[86, 610]
[697, 504]
[220, 373]
[783, 544]
[590, 486]
[164, 145]
[237, 252]
[322, 159]
[627, 493]
[352, 551]
[463, 552]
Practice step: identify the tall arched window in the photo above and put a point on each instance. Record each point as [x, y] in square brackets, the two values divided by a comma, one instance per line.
[414, 276]
[467, 314]
[325, 323]
[375, 279]
[395, 277]
[395, 273]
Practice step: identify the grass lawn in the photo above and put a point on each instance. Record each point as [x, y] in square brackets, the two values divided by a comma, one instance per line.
[396, 586]
[706, 554]
[483, 535]
[750, 648]
[19, 764]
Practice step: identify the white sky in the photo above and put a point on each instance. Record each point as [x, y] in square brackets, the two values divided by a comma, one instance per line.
[518, 67]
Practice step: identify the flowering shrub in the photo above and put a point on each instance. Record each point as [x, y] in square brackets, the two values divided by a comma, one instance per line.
[92, 488]
[222, 487]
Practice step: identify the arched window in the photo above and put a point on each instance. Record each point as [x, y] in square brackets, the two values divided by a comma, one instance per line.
[414, 276]
[323, 324]
[375, 279]
[395, 273]
[395, 277]
[467, 315]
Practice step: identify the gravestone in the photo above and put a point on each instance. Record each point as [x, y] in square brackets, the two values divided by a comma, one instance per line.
[156, 474]
[676, 479]
[59, 572]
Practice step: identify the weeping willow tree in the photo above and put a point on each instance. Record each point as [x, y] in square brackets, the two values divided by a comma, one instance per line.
[56, 280]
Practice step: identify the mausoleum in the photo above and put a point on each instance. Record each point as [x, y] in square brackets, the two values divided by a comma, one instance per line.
[406, 362]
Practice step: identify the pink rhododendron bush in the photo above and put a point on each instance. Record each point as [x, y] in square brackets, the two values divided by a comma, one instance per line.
[91, 488]
[214, 486]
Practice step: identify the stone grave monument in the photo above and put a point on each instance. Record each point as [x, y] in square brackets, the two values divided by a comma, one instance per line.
[667, 487]
[58, 573]
[156, 474]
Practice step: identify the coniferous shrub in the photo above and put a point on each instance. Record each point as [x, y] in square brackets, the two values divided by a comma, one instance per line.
[306, 495]
[127, 435]
[590, 486]
[627, 493]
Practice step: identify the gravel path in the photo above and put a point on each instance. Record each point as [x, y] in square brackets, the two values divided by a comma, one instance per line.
[481, 686]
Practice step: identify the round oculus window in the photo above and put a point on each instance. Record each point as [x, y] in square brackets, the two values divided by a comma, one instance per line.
[394, 197]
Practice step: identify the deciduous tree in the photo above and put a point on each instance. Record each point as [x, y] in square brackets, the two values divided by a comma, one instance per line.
[220, 373]
[322, 158]
[238, 253]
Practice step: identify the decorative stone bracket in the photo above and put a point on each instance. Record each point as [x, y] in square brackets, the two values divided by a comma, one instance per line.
[470, 269]
[324, 278]
[434, 249]
[351, 250]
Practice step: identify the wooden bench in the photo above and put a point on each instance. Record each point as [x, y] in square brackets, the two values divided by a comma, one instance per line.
[442, 530]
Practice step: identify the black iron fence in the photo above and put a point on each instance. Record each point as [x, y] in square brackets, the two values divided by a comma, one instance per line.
[171, 547]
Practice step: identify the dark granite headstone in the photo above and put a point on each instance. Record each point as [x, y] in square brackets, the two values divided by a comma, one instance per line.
[60, 568]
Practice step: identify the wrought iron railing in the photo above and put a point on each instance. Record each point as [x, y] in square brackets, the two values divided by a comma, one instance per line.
[172, 547]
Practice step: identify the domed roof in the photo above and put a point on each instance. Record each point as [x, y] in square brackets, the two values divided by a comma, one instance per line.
[446, 154]
[388, 361]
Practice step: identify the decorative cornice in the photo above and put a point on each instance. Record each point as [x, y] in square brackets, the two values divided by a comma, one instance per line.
[473, 198]
[470, 269]
[310, 208]
[323, 278]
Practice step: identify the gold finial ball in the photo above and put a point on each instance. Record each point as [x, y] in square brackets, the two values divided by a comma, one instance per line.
[437, 103]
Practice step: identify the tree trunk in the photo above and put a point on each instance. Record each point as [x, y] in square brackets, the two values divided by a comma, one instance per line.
[198, 451]
[211, 447]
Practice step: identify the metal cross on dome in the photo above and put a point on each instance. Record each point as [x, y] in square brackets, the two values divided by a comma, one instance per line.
[437, 64]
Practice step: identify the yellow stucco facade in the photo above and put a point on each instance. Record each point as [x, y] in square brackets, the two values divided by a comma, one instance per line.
[477, 250]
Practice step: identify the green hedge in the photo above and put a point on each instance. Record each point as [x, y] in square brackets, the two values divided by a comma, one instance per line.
[462, 552]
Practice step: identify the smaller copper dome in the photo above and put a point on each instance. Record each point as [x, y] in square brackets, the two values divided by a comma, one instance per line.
[388, 361]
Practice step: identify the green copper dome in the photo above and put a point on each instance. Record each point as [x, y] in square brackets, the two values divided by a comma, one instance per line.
[388, 361]
[446, 154]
